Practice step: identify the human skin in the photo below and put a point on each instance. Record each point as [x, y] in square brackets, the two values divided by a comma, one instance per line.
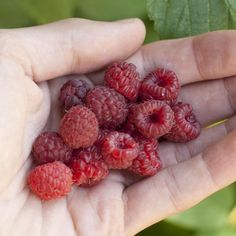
[120, 205]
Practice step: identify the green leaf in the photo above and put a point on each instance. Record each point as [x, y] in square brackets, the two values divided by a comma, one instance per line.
[44, 11]
[210, 214]
[107, 10]
[13, 14]
[174, 19]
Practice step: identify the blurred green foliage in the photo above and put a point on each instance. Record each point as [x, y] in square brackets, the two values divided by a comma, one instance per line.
[44, 11]
[171, 19]
[216, 216]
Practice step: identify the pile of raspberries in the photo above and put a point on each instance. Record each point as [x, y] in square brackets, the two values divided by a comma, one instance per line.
[114, 126]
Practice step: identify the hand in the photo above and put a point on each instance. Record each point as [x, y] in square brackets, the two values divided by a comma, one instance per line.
[28, 58]
[118, 205]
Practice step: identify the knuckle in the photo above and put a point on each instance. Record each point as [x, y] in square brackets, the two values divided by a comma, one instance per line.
[213, 53]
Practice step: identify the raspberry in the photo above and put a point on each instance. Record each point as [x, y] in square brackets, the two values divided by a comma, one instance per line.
[186, 127]
[147, 162]
[79, 127]
[49, 147]
[124, 78]
[119, 150]
[88, 168]
[73, 93]
[152, 118]
[109, 106]
[50, 181]
[160, 84]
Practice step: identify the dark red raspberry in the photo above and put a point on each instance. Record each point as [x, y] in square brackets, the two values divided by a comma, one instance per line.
[119, 150]
[147, 162]
[73, 93]
[152, 118]
[109, 106]
[161, 84]
[186, 127]
[49, 147]
[124, 78]
[51, 180]
[88, 168]
[79, 127]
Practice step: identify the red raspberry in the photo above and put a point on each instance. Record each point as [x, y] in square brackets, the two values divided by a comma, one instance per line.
[73, 93]
[152, 118]
[186, 127]
[119, 150]
[51, 180]
[109, 106]
[88, 168]
[49, 147]
[147, 162]
[160, 84]
[124, 78]
[79, 127]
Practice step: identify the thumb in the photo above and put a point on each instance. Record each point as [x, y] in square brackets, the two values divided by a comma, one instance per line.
[72, 46]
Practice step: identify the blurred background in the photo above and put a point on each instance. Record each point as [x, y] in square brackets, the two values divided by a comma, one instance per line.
[164, 19]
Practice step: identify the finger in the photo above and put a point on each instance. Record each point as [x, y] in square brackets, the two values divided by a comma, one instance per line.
[211, 100]
[208, 56]
[181, 186]
[71, 46]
